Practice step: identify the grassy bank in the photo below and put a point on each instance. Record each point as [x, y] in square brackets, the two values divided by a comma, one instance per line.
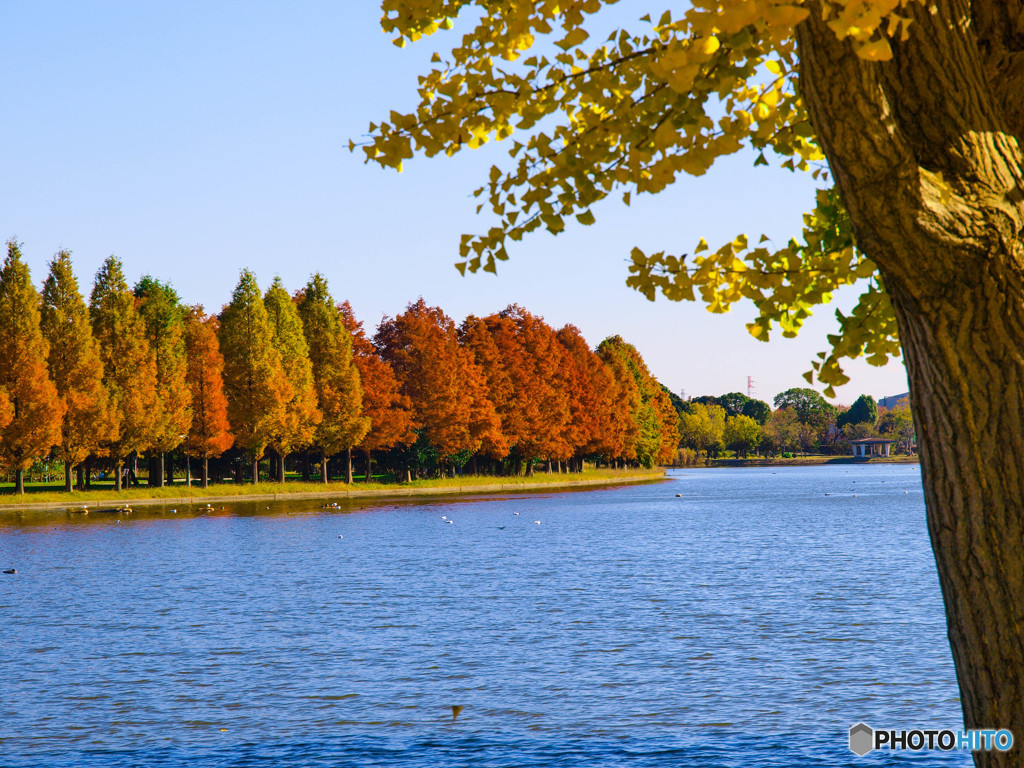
[47, 497]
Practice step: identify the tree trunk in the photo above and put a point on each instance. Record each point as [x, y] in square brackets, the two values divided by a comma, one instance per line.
[305, 466]
[160, 469]
[206, 472]
[323, 470]
[80, 481]
[369, 467]
[167, 460]
[68, 477]
[117, 475]
[19, 481]
[923, 152]
[280, 467]
[255, 470]
[348, 466]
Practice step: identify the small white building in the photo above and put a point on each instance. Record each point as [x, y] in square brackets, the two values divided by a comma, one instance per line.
[871, 446]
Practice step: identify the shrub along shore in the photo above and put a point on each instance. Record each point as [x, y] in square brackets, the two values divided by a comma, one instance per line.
[470, 484]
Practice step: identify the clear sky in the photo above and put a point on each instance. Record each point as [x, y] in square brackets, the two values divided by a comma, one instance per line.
[193, 139]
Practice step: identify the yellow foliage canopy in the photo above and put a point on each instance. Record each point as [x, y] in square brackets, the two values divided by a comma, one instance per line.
[587, 119]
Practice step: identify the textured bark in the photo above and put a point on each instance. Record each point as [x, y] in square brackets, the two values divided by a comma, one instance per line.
[348, 466]
[206, 472]
[68, 477]
[925, 152]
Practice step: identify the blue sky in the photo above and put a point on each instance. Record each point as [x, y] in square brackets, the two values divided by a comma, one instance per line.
[195, 139]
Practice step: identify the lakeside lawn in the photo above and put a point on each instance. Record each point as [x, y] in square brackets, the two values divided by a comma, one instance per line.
[54, 492]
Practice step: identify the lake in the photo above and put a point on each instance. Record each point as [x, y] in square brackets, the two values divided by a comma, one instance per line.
[748, 622]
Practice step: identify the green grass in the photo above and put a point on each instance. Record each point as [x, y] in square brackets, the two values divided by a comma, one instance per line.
[38, 492]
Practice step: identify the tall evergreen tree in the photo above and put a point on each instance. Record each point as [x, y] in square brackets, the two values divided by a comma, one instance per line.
[254, 380]
[338, 385]
[75, 367]
[163, 316]
[36, 409]
[301, 415]
[129, 364]
[209, 433]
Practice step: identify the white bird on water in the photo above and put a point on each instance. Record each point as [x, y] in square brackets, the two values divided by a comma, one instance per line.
[536, 522]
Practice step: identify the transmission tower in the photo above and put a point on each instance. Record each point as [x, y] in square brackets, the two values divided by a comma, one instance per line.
[751, 386]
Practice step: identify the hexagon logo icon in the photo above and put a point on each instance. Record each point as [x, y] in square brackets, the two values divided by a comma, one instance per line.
[862, 739]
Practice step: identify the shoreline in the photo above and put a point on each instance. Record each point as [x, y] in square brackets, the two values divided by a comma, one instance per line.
[807, 461]
[340, 492]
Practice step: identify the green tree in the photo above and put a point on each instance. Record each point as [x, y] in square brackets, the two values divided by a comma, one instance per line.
[31, 398]
[863, 411]
[336, 377]
[758, 410]
[742, 434]
[733, 403]
[810, 407]
[781, 432]
[703, 428]
[898, 424]
[915, 108]
[302, 415]
[129, 364]
[75, 367]
[254, 380]
[163, 316]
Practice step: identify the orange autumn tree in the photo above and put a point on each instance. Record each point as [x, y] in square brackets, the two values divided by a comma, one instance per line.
[389, 411]
[336, 377]
[76, 369]
[209, 434]
[163, 315]
[302, 415]
[33, 403]
[654, 431]
[254, 380]
[6, 408]
[446, 387]
[522, 359]
[590, 390]
[129, 364]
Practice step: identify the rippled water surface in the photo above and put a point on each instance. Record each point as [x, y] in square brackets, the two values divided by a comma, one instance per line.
[748, 622]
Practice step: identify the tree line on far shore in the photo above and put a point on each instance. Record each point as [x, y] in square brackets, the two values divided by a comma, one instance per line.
[137, 373]
[802, 421]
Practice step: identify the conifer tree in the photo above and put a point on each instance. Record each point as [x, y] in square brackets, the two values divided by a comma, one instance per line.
[129, 364]
[389, 411]
[301, 414]
[653, 429]
[163, 316]
[446, 387]
[6, 408]
[254, 380]
[589, 388]
[75, 367]
[32, 400]
[209, 434]
[338, 385]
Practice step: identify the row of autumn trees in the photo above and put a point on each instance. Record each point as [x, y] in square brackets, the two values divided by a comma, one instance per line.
[802, 420]
[137, 373]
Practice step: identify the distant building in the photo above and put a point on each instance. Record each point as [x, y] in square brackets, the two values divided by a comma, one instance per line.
[894, 400]
[871, 446]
